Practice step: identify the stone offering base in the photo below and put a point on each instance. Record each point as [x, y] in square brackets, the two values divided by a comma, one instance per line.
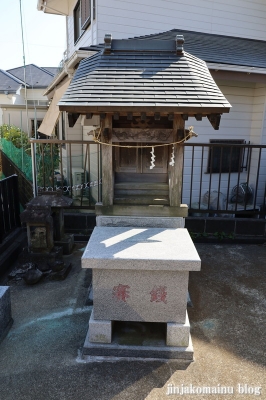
[138, 340]
[140, 269]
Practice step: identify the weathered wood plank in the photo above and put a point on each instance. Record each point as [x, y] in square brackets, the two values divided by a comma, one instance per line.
[176, 171]
[142, 135]
[107, 164]
[128, 200]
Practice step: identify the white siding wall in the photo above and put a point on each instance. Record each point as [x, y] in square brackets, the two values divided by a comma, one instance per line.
[243, 122]
[18, 117]
[243, 18]
[128, 18]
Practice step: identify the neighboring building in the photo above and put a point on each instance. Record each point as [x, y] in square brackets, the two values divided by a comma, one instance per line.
[22, 107]
[229, 36]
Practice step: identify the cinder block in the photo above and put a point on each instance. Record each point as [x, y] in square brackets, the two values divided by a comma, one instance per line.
[100, 331]
[5, 311]
[177, 335]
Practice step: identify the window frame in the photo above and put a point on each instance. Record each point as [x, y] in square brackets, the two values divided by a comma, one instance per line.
[214, 163]
[81, 18]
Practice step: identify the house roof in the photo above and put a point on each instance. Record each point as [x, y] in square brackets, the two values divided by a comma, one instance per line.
[215, 48]
[147, 74]
[9, 83]
[36, 77]
[219, 48]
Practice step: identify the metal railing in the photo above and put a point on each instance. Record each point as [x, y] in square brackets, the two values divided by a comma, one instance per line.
[219, 179]
[73, 166]
[224, 179]
[9, 206]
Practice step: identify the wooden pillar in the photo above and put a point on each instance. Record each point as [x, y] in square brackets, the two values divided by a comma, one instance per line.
[107, 161]
[176, 171]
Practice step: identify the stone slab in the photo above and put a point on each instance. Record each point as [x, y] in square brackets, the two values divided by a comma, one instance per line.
[5, 311]
[150, 296]
[140, 222]
[141, 249]
[178, 334]
[144, 210]
[162, 352]
[100, 331]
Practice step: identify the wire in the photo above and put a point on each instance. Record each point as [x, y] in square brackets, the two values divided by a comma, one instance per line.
[24, 65]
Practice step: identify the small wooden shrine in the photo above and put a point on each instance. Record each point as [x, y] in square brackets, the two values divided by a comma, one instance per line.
[144, 91]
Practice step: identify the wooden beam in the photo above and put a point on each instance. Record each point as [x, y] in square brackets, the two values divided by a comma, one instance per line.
[89, 116]
[185, 117]
[198, 117]
[176, 171]
[191, 110]
[215, 120]
[107, 164]
[157, 116]
[130, 116]
[143, 116]
[116, 116]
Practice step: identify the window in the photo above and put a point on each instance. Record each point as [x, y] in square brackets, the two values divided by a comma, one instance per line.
[82, 17]
[225, 158]
[38, 123]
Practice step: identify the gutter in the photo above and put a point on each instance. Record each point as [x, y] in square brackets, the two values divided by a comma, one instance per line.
[69, 68]
[235, 68]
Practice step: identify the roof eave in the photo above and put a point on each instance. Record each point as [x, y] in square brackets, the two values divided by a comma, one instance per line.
[189, 109]
[69, 68]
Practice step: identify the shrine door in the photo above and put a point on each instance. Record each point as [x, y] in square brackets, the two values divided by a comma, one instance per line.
[135, 181]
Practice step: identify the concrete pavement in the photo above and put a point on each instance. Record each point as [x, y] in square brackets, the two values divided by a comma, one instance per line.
[40, 357]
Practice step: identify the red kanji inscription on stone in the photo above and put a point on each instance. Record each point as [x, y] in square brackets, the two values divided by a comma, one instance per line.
[159, 294]
[121, 292]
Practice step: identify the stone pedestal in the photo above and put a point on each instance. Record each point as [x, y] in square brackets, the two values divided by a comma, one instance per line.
[141, 275]
[5, 311]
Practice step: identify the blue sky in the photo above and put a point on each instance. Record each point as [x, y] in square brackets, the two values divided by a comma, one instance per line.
[44, 35]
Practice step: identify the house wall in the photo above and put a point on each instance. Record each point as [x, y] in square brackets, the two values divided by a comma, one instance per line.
[243, 18]
[17, 116]
[246, 121]
[123, 19]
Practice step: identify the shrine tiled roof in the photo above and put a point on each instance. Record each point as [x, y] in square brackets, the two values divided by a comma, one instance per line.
[146, 74]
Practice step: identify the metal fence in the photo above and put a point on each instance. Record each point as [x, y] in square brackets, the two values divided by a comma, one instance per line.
[73, 166]
[224, 179]
[219, 179]
[9, 206]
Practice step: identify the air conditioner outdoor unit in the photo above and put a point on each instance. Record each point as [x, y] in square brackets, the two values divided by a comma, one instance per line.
[78, 178]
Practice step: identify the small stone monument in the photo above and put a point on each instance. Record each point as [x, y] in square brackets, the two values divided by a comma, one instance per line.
[47, 242]
[44, 218]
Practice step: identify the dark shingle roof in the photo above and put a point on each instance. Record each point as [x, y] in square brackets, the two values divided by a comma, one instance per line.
[51, 70]
[215, 48]
[134, 76]
[8, 83]
[219, 48]
[36, 77]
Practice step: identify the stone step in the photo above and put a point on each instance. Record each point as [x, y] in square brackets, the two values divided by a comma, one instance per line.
[141, 185]
[150, 200]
